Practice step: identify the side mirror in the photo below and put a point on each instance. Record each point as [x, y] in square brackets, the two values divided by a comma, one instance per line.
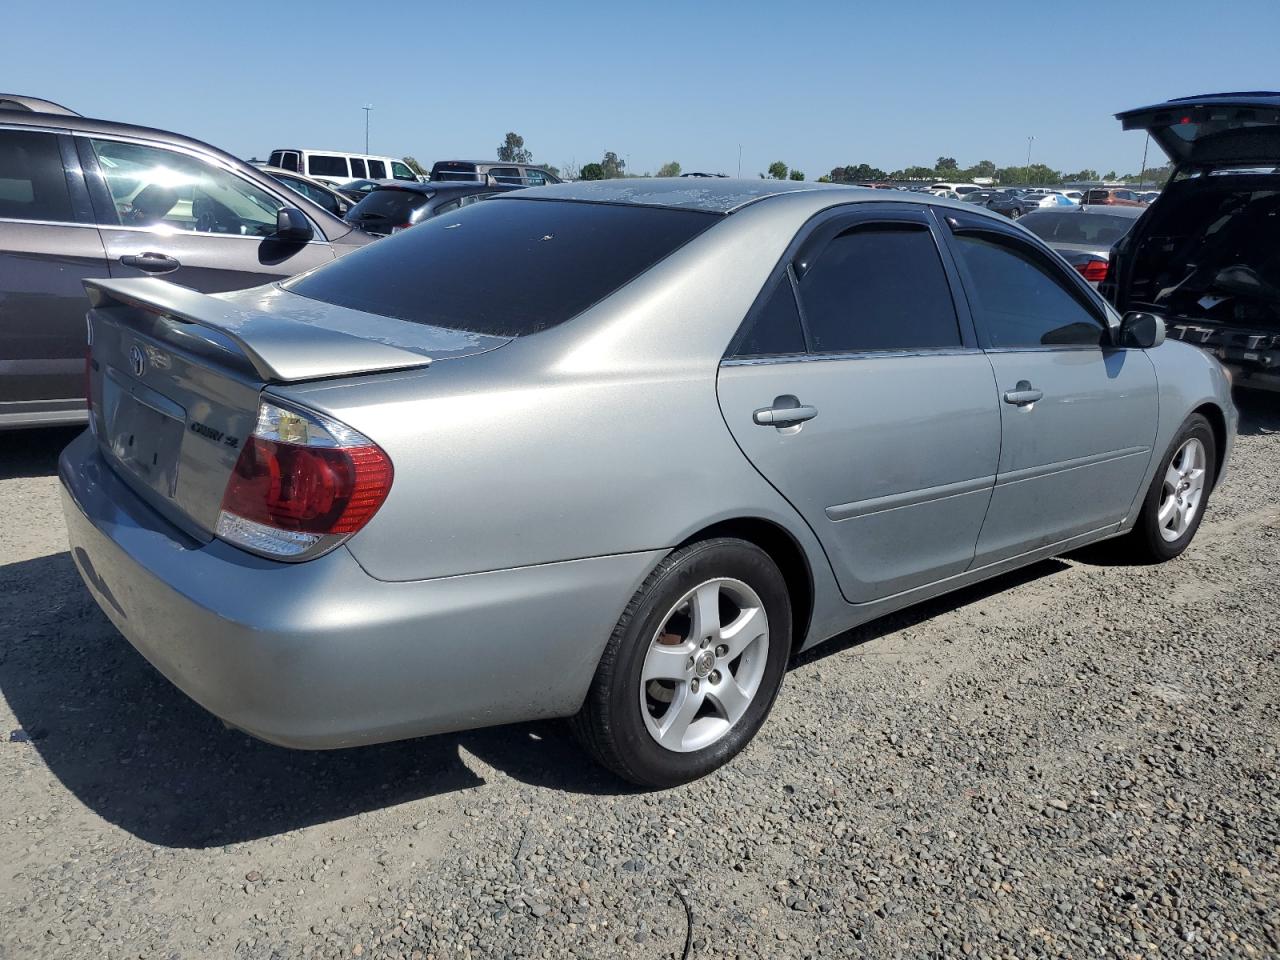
[1143, 330]
[292, 224]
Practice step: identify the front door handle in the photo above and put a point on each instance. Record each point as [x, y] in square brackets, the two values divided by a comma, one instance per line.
[151, 262]
[1023, 395]
[786, 411]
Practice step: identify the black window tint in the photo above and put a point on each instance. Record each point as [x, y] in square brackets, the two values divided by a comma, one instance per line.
[506, 175]
[775, 328]
[358, 168]
[377, 170]
[319, 165]
[387, 208]
[557, 259]
[880, 287]
[1016, 299]
[32, 183]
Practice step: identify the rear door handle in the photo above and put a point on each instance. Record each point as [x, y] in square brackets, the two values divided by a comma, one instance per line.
[151, 262]
[1024, 394]
[786, 411]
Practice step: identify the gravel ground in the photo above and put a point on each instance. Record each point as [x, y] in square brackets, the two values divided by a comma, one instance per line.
[1078, 760]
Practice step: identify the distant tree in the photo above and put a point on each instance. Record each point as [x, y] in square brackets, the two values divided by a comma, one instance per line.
[825, 178]
[1111, 175]
[778, 170]
[570, 171]
[857, 174]
[671, 169]
[983, 168]
[946, 164]
[512, 150]
[613, 166]
[554, 171]
[415, 166]
[796, 175]
[1084, 175]
[591, 171]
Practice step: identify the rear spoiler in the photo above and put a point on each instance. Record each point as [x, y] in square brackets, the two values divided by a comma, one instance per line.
[280, 349]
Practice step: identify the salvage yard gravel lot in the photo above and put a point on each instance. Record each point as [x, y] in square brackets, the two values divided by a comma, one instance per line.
[1076, 760]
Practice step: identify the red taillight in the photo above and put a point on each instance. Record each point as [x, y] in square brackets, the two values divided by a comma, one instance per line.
[1095, 271]
[321, 490]
[302, 484]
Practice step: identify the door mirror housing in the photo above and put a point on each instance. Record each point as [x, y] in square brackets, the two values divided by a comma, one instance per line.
[292, 224]
[1143, 330]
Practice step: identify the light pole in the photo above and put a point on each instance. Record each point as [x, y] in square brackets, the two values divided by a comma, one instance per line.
[368, 109]
[1029, 139]
[739, 160]
[1142, 177]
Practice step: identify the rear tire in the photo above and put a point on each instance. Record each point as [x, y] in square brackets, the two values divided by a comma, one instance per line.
[693, 666]
[1179, 492]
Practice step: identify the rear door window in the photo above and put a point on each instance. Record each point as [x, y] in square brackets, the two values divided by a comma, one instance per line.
[358, 169]
[377, 170]
[507, 175]
[323, 165]
[33, 184]
[879, 286]
[555, 258]
[774, 329]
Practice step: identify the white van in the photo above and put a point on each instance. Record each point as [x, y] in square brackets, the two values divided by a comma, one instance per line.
[335, 167]
[953, 189]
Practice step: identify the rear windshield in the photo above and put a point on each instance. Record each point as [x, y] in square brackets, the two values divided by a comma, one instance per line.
[505, 268]
[454, 170]
[1097, 228]
[389, 208]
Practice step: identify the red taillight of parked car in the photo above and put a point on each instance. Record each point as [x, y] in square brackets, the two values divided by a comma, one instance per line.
[301, 485]
[1095, 271]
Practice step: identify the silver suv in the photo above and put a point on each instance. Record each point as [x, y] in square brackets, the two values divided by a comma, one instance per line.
[84, 198]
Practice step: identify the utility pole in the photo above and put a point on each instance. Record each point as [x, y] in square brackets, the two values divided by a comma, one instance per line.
[368, 109]
[739, 160]
[1029, 139]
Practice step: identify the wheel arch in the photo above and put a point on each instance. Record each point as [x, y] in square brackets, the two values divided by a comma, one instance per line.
[785, 551]
[1218, 421]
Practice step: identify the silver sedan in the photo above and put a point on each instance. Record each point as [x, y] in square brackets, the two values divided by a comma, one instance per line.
[611, 451]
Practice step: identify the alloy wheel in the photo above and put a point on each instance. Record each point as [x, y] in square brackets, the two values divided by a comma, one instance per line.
[1183, 490]
[704, 665]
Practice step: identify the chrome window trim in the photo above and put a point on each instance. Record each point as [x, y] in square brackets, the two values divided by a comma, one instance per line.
[853, 355]
[194, 233]
[35, 128]
[49, 223]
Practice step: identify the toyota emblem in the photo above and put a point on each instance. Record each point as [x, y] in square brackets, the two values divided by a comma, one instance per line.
[137, 360]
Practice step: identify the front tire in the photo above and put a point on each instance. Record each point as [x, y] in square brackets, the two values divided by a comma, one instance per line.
[1179, 492]
[693, 666]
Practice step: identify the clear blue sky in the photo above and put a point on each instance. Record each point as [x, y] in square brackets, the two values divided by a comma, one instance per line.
[813, 85]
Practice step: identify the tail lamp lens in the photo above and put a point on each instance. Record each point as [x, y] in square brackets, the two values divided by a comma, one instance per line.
[1095, 271]
[302, 484]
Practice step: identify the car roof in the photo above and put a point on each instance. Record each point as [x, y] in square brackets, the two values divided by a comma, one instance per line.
[710, 194]
[89, 125]
[441, 186]
[495, 163]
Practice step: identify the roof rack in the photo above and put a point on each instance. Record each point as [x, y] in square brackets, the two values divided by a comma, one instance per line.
[16, 101]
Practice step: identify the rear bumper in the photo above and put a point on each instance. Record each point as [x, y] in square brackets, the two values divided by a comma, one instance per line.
[319, 654]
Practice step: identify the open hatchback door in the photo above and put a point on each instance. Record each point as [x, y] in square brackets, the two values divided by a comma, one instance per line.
[1206, 254]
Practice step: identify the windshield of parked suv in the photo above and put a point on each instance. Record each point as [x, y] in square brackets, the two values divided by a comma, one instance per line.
[509, 267]
[1100, 229]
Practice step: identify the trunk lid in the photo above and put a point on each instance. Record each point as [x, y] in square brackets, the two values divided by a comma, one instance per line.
[175, 377]
[1213, 130]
